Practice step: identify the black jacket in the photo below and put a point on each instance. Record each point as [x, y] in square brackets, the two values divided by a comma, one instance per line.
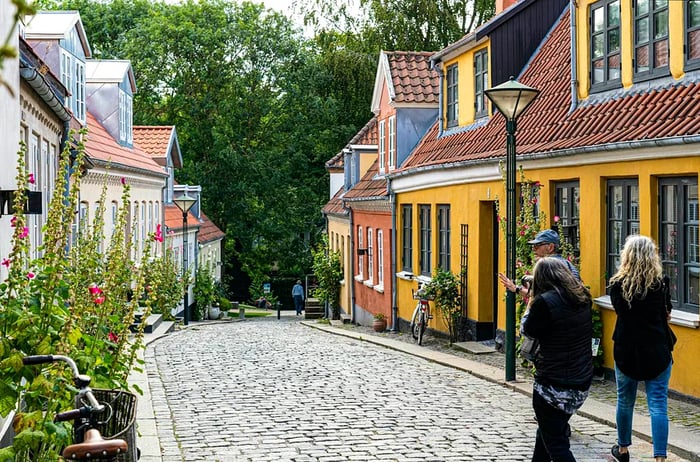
[564, 331]
[642, 338]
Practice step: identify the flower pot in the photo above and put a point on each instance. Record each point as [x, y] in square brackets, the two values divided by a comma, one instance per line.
[379, 325]
[214, 312]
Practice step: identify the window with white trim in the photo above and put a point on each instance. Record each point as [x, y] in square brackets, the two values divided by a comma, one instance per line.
[370, 255]
[380, 257]
[360, 256]
[382, 145]
[392, 142]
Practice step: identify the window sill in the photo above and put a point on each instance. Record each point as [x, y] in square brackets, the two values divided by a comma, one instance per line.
[359, 278]
[678, 318]
[405, 275]
[368, 283]
[379, 288]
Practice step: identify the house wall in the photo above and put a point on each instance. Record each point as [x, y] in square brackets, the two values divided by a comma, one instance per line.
[465, 84]
[210, 255]
[339, 239]
[369, 297]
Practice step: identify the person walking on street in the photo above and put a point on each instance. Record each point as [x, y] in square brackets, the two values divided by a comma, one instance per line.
[298, 296]
[643, 342]
[545, 244]
[559, 317]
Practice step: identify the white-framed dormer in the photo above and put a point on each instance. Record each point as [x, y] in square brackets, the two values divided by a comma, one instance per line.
[392, 142]
[382, 145]
[111, 87]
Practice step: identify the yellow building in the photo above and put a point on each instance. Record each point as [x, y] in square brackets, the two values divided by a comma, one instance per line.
[611, 142]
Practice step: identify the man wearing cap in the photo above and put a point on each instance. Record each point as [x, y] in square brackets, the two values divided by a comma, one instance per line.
[545, 244]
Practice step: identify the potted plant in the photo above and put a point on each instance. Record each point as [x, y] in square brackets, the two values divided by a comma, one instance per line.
[379, 324]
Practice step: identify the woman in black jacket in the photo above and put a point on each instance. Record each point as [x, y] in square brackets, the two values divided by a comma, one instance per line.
[559, 317]
[643, 342]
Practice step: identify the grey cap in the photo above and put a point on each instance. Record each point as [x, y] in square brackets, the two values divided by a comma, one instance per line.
[547, 236]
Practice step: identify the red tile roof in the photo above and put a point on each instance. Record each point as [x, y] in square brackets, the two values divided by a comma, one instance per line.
[208, 231]
[335, 206]
[100, 146]
[366, 136]
[549, 125]
[155, 140]
[412, 79]
[173, 218]
[370, 186]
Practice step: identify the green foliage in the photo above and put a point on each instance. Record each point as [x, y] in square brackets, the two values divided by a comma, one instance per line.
[443, 289]
[329, 273]
[204, 291]
[163, 286]
[74, 303]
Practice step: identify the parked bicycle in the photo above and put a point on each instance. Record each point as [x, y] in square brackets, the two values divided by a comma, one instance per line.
[421, 314]
[89, 415]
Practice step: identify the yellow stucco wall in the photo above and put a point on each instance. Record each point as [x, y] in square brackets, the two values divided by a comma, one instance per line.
[465, 84]
[583, 51]
[472, 204]
[339, 239]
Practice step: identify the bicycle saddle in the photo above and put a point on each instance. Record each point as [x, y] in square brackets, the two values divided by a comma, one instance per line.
[94, 447]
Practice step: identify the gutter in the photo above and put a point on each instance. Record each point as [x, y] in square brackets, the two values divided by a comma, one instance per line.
[37, 82]
[352, 266]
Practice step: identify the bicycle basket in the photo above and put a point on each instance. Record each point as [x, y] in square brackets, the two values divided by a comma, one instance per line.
[122, 423]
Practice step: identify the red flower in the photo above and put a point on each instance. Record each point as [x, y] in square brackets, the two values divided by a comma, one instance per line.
[31, 275]
[556, 218]
[99, 300]
[31, 179]
[112, 337]
[123, 180]
[24, 233]
[94, 290]
[6, 262]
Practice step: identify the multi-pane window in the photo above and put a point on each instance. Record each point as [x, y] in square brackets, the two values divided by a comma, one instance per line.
[650, 38]
[380, 257]
[67, 77]
[407, 237]
[126, 133]
[425, 239]
[73, 78]
[370, 254]
[678, 240]
[692, 34]
[452, 96]
[79, 90]
[605, 44]
[360, 253]
[382, 144]
[566, 208]
[623, 219]
[392, 142]
[443, 237]
[481, 82]
[115, 209]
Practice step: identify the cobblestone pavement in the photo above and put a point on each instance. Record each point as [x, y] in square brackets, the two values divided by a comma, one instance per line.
[268, 389]
[682, 412]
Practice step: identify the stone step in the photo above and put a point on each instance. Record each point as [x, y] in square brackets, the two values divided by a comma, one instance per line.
[151, 323]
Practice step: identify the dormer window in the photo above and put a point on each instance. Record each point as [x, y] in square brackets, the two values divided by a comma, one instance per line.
[605, 45]
[650, 38]
[392, 142]
[382, 145]
[452, 96]
[73, 78]
[481, 82]
[126, 132]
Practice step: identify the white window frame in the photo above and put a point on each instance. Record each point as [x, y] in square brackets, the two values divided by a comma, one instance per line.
[360, 258]
[80, 90]
[392, 142]
[382, 145]
[67, 77]
[380, 258]
[370, 256]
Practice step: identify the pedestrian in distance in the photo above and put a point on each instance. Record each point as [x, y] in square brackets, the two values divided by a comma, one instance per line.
[643, 342]
[545, 244]
[559, 317]
[298, 296]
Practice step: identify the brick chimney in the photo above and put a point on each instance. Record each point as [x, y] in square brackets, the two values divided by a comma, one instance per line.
[503, 4]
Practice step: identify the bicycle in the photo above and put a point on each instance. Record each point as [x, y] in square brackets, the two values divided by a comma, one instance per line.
[89, 445]
[421, 314]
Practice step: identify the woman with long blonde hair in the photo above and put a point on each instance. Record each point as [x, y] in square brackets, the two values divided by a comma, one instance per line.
[643, 342]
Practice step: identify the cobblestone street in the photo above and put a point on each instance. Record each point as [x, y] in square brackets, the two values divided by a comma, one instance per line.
[268, 389]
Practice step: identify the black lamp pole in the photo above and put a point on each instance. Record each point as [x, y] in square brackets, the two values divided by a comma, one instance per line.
[185, 203]
[511, 99]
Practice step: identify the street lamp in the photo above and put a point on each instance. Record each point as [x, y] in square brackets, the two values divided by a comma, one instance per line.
[185, 202]
[511, 99]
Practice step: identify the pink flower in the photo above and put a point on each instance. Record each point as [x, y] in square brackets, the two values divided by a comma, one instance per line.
[31, 179]
[112, 337]
[94, 289]
[99, 300]
[6, 262]
[24, 233]
[556, 218]
[123, 180]
[158, 236]
[31, 275]
[13, 221]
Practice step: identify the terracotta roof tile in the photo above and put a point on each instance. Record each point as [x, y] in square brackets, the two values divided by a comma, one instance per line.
[208, 231]
[155, 140]
[366, 136]
[173, 218]
[549, 124]
[101, 146]
[335, 206]
[412, 78]
[370, 186]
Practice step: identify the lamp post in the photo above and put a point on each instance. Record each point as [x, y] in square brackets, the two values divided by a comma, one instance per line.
[185, 202]
[511, 99]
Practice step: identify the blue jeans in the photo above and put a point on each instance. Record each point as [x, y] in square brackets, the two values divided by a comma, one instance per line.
[552, 443]
[657, 401]
[298, 303]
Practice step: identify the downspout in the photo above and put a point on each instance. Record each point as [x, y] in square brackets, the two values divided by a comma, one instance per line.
[392, 245]
[574, 57]
[352, 265]
[438, 69]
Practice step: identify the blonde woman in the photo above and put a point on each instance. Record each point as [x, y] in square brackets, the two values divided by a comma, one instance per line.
[643, 342]
[559, 316]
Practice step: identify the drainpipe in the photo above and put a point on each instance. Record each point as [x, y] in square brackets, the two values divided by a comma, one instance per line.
[438, 69]
[392, 245]
[574, 55]
[352, 266]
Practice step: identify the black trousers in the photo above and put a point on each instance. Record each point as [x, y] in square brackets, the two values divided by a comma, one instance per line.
[552, 443]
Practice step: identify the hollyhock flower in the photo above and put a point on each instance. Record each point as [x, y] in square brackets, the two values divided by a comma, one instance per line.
[13, 221]
[24, 233]
[556, 218]
[99, 300]
[94, 289]
[31, 179]
[123, 180]
[112, 337]
[6, 262]
[31, 275]
[158, 236]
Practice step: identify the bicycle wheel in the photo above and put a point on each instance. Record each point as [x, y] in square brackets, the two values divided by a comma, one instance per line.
[421, 327]
[415, 324]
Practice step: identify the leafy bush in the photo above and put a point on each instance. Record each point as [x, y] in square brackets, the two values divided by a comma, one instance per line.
[443, 289]
[204, 291]
[329, 273]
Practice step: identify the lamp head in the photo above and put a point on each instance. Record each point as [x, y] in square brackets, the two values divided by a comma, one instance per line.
[511, 98]
[184, 202]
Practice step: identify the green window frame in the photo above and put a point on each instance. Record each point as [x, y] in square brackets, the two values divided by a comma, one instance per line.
[407, 238]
